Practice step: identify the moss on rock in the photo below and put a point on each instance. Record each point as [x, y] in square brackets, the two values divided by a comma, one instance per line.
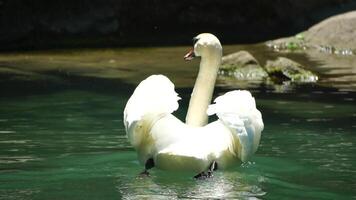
[284, 69]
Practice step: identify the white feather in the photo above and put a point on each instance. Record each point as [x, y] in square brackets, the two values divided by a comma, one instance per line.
[237, 109]
[153, 97]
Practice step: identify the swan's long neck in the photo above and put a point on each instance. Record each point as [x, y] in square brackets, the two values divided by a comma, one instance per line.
[203, 88]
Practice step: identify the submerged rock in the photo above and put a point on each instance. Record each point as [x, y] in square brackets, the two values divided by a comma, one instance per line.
[242, 65]
[283, 69]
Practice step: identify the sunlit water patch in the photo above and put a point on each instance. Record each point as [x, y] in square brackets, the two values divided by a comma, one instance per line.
[131, 65]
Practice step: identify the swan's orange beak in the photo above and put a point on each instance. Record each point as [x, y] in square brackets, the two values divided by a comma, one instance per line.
[190, 55]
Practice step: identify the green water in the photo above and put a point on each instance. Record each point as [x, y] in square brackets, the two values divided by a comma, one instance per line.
[67, 141]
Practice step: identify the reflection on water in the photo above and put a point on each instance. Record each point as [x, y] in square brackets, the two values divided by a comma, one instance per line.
[66, 140]
[227, 185]
[131, 65]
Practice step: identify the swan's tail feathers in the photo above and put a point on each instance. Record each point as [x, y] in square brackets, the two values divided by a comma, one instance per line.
[153, 96]
[237, 110]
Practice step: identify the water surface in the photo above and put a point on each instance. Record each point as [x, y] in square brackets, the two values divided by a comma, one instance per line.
[65, 139]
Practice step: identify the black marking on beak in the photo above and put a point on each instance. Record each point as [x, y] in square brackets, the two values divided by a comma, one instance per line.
[190, 55]
[195, 40]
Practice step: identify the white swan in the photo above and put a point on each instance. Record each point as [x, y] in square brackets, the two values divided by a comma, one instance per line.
[163, 141]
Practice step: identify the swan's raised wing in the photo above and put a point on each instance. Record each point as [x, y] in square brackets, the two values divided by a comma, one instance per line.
[237, 110]
[153, 96]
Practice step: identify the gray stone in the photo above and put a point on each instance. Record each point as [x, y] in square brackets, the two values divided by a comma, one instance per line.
[335, 35]
[242, 65]
[338, 31]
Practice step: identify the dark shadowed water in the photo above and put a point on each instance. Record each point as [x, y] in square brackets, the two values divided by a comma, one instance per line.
[66, 140]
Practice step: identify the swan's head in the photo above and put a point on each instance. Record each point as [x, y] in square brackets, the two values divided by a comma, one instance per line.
[203, 45]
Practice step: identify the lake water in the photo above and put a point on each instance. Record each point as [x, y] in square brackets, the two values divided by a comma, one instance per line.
[62, 136]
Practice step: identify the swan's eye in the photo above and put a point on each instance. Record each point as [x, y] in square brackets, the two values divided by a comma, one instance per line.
[195, 40]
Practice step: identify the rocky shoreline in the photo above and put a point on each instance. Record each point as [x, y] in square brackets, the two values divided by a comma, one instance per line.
[335, 35]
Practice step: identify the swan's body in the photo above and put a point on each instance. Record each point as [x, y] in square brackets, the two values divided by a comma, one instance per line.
[192, 146]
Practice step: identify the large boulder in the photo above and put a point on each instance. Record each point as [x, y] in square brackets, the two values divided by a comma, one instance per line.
[335, 35]
[242, 65]
[338, 31]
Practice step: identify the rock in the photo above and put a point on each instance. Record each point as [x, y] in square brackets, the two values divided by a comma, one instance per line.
[283, 69]
[335, 35]
[338, 32]
[242, 65]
